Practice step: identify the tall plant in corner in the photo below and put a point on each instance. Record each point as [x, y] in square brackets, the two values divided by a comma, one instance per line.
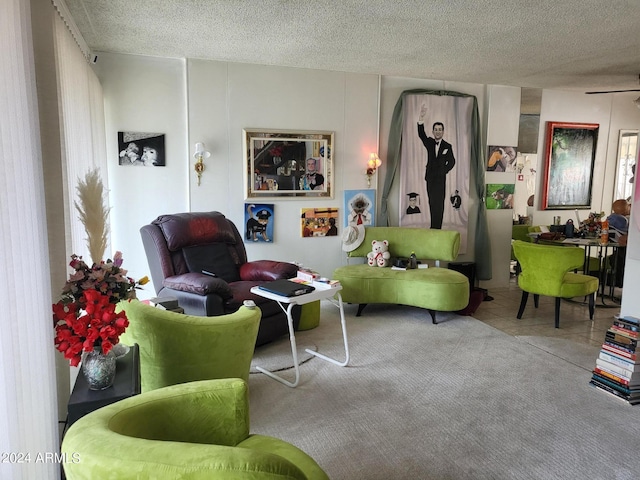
[94, 214]
[85, 318]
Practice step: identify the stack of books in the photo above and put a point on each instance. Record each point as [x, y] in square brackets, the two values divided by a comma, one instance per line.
[617, 370]
[307, 275]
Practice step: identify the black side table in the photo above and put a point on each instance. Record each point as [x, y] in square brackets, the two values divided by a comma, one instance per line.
[126, 384]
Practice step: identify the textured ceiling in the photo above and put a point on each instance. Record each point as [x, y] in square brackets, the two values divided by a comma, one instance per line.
[560, 44]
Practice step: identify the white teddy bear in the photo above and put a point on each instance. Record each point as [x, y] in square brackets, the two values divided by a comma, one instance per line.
[380, 254]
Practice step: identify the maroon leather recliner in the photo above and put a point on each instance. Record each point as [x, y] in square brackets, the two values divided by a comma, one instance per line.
[200, 259]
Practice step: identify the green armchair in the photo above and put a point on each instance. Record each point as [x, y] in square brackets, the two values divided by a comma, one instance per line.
[547, 270]
[178, 348]
[197, 430]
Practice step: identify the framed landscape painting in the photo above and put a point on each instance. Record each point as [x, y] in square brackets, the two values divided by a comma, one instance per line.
[570, 154]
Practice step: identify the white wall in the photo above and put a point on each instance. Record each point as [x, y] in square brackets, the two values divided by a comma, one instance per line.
[503, 121]
[225, 98]
[211, 102]
[144, 94]
[559, 106]
[625, 110]
[624, 115]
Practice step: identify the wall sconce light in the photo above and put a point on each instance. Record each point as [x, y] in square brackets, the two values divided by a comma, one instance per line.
[200, 155]
[372, 166]
[637, 102]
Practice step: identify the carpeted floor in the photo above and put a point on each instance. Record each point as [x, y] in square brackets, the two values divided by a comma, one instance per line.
[278, 357]
[579, 354]
[457, 400]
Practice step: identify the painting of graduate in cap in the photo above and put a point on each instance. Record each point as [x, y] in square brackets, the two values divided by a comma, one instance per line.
[414, 201]
[258, 227]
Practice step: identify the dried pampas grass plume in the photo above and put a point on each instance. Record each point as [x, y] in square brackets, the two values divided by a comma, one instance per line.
[94, 214]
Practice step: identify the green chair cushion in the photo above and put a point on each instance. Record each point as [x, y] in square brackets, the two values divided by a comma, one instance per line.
[439, 289]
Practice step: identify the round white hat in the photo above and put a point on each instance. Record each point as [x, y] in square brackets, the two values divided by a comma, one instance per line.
[352, 237]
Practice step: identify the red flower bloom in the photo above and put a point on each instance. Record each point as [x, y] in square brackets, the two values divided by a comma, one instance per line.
[106, 346]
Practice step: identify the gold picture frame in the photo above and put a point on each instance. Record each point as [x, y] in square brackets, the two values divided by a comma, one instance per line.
[288, 163]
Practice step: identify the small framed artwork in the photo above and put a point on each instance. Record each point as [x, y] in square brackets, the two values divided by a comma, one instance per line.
[570, 154]
[319, 222]
[360, 206]
[501, 159]
[258, 222]
[141, 149]
[288, 163]
[499, 195]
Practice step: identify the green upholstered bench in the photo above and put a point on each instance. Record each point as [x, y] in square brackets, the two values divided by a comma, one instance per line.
[434, 288]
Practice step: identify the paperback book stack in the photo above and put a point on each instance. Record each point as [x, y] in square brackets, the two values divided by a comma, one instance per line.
[617, 370]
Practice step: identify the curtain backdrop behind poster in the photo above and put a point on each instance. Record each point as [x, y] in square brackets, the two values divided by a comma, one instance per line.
[456, 114]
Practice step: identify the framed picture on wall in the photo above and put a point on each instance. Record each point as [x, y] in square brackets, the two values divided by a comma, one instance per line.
[288, 163]
[258, 222]
[501, 158]
[500, 195]
[141, 149]
[360, 206]
[319, 222]
[570, 154]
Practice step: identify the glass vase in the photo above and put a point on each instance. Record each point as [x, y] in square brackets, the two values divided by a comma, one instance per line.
[99, 369]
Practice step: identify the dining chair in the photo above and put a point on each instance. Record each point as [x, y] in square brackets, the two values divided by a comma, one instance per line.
[548, 270]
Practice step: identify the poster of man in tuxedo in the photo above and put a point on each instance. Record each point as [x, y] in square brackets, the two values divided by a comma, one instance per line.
[435, 160]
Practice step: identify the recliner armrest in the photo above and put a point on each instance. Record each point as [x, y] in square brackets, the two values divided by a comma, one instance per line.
[267, 270]
[199, 284]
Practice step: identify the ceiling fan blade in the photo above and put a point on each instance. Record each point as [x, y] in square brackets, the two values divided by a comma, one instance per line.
[614, 91]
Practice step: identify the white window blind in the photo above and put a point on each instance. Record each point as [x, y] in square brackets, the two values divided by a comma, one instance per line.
[82, 125]
[28, 405]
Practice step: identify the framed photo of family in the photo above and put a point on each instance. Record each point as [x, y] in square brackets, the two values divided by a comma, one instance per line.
[570, 155]
[288, 163]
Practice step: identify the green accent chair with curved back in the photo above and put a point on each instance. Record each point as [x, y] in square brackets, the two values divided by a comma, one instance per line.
[197, 430]
[178, 348]
[547, 270]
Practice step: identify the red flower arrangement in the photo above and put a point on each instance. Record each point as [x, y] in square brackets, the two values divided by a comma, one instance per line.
[97, 325]
[85, 317]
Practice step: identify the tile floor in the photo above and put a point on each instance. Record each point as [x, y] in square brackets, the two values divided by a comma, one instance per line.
[575, 325]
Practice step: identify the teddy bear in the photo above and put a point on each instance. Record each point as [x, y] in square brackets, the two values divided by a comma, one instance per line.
[379, 254]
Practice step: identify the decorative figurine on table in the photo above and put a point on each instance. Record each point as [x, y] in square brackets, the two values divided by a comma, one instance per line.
[590, 228]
